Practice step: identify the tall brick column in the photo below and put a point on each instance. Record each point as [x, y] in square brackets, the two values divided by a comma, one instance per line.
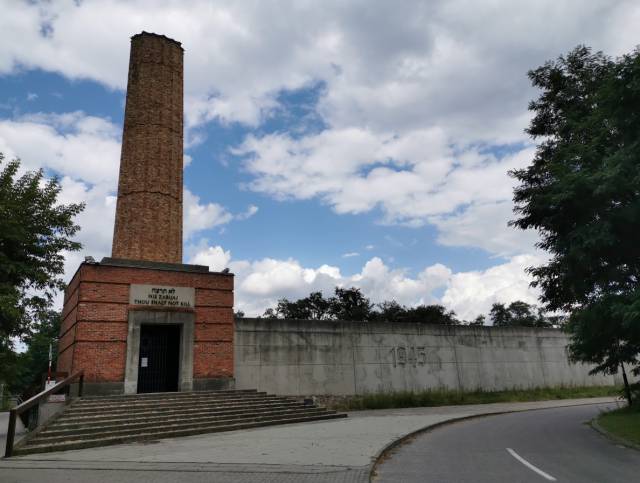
[148, 222]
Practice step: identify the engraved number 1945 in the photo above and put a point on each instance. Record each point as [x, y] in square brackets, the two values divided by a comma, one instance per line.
[415, 356]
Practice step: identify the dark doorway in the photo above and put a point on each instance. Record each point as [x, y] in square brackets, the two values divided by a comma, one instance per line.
[159, 360]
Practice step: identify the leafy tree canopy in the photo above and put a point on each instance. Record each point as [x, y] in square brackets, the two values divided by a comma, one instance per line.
[346, 304]
[35, 231]
[582, 194]
[33, 363]
[582, 190]
[519, 314]
[351, 304]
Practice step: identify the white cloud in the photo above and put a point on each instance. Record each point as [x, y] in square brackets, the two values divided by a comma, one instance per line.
[414, 179]
[71, 144]
[216, 258]
[260, 283]
[198, 216]
[85, 151]
[412, 98]
[203, 216]
[350, 255]
[409, 95]
[484, 225]
[97, 219]
[31, 96]
[251, 210]
[451, 63]
[473, 293]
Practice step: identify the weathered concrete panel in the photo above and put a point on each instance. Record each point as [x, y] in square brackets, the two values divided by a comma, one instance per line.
[300, 357]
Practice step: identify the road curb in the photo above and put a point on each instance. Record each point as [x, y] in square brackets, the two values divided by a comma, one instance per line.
[613, 437]
[375, 460]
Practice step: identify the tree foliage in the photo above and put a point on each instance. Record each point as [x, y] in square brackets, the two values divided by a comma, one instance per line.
[351, 305]
[35, 231]
[519, 314]
[346, 304]
[34, 362]
[428, 314]
[582, 194]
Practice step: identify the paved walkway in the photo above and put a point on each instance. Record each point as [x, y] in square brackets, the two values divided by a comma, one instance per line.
[335, 450]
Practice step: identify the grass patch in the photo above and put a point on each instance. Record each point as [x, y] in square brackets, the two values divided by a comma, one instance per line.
[446, 397]
[624, 423]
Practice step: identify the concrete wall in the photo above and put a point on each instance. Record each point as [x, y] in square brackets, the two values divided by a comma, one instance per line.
[298, 357]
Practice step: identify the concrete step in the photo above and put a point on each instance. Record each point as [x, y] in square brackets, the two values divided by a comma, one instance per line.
[194, 411]
[168, 400]
[173, 394]
[168, 396]
[65, 421]
[79, 409]
[154, 411]
[35, 447]
[86, 428]
[54, 436]
[98, 421]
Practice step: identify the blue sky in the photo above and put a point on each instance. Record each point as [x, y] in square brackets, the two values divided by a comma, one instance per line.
[347, 143]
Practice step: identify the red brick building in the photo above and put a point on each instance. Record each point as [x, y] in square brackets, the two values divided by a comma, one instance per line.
[141, 321]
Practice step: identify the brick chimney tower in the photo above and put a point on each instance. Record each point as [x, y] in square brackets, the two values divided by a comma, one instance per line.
[141, 320]
[148, 223]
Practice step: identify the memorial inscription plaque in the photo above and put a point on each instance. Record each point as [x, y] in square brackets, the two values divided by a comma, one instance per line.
[162, 296]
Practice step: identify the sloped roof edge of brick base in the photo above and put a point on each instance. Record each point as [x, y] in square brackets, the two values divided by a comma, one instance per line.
[176, 267]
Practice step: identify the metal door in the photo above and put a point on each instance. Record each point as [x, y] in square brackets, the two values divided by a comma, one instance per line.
[158, 364]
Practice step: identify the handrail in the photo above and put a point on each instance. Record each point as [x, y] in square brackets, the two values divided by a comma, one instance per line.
[29, 403]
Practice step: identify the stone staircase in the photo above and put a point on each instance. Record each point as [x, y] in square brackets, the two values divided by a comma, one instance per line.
[101, 421]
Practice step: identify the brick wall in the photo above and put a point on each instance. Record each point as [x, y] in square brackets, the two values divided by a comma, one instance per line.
[94, 330]
[148, 223]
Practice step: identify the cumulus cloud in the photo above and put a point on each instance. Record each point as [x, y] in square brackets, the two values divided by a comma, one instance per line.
[415, 102]
[71, 144]
[260, 283]
[414, 179]
[84, 151]
[216, 258]
[484, 225]
[409, 96]
[472, 293]
[449, 63]
[199, 216]
[250, 211]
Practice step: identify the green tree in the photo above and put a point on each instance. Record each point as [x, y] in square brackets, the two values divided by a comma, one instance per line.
[390, 311]
[582, 195]
[35, 231]
[479, 321]
[519, 314]
[346, 304]
[34, 362]
[313, 307]
[350, 304]
[431, 314]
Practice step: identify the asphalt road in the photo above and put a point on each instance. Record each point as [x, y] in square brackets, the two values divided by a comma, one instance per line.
[533, 446]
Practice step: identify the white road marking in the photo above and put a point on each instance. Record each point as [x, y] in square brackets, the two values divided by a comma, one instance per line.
[530, 466]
